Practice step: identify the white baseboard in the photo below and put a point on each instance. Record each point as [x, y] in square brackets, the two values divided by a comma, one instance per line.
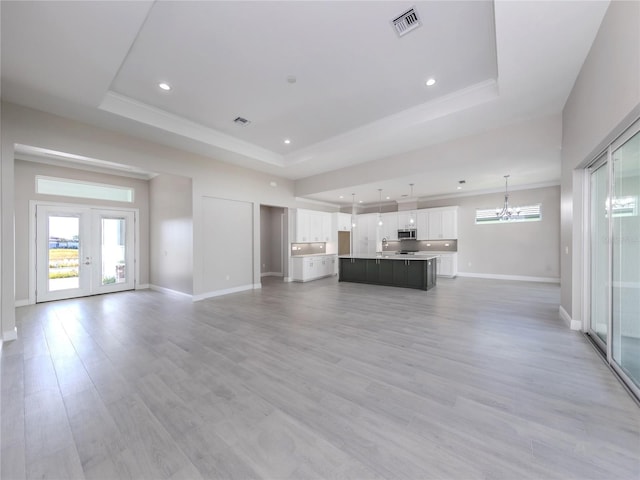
[21, 303]
[520, 278]
[156, 288]
[287, 279]
[271, 274]
[9, 335]
[566, 318]
[570, 322]
[143, 286]
[257, 286]
[226, 291]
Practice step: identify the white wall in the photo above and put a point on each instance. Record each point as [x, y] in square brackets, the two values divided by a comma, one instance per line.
[524, 249]
[171, 233]
[211, 179]
[603, 102]
[25, 181]
[226, 263]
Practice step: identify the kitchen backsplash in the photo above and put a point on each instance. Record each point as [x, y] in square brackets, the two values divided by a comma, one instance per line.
[422, 246]
[307, 248]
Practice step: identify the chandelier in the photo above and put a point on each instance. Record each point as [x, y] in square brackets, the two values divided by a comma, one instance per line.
[507, 212]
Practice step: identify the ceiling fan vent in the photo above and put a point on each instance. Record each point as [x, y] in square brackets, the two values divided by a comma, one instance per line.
[406, 22]
[242, 121]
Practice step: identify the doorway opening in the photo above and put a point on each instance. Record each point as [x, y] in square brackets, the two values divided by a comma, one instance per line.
[273, 237]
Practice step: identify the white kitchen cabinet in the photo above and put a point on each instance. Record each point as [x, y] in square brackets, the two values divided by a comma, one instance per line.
[389, 229]
[313, 226]
[450, 224]
[447, 264]
[434, 231]
[423, 225]
[442, 224]
[309, 268]
[344, 222]
[327, 228]
[366, 234]
[303, 223]
[407, 219]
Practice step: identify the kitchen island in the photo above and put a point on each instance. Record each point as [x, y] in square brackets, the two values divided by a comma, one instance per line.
[410, 271]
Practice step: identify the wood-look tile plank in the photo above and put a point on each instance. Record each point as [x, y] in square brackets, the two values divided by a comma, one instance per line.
[473, 379]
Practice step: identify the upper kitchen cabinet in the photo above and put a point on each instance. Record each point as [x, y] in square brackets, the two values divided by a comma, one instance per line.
[327, 233]
[423, 224]
[438, 223]
[389, 229]
[344, 222]
[407, 219]
[366, 234]
[313, 226]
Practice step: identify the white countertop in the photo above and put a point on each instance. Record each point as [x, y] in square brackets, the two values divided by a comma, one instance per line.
[385, 256]
[313, 255]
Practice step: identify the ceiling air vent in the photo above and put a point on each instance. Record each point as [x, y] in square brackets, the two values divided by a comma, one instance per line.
[406, 22]
[242, 121]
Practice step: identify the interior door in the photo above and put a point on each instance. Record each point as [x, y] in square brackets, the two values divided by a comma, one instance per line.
[83, 251]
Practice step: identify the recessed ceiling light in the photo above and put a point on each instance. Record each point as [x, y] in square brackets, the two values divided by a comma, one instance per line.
[341, 196]
[459, 187]
[388, 198]
[431, 82]
[360, 201]
[273, 184]
[164, 86]
[287, 141]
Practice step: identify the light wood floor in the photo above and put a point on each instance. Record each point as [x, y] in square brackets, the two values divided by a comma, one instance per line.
[474, 379]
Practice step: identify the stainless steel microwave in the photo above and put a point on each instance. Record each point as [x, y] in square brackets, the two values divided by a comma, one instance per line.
[407, 234]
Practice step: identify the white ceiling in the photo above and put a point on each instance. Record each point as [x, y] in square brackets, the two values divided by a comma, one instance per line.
[359, 101]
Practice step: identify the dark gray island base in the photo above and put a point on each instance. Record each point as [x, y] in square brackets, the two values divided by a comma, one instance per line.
[393, 270]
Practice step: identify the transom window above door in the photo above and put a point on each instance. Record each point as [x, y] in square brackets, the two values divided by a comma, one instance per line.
[66, 187]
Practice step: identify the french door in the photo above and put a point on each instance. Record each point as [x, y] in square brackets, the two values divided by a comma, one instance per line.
[83, 251]
[614, 226]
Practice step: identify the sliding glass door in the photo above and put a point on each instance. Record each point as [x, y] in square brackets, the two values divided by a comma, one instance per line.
[625, 241]
[614, 255]
[599, 252]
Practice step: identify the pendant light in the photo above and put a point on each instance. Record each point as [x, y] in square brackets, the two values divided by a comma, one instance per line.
[379, 207]
[507, 212]
[353, 211]
[411, 219]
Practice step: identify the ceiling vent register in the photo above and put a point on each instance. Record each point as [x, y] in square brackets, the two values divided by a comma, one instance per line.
[242, 121]
[406, 22]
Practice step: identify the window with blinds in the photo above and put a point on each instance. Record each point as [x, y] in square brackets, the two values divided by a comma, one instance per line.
[527, 213]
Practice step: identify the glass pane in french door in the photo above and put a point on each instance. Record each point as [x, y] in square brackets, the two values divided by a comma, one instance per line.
[113, 255]
[64, 244]
[625, 327]
[599, 260]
